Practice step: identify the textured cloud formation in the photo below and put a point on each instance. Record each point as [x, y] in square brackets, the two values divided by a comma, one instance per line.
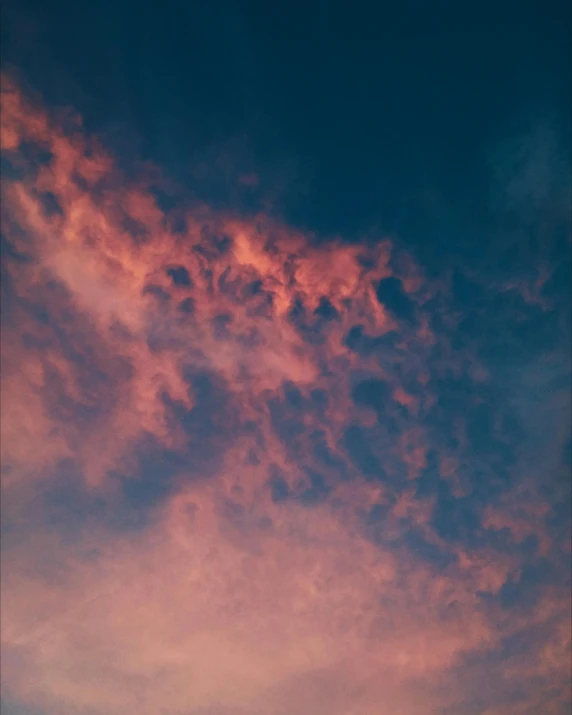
[249, 473]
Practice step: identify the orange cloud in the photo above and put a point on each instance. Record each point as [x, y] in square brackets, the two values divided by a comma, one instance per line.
[282, 569]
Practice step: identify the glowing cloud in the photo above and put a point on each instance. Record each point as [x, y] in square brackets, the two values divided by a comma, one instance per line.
[245, 473]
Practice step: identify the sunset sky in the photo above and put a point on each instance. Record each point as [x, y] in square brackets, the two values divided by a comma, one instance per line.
[286, 358]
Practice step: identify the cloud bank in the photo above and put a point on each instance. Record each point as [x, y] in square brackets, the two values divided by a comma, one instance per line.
[250, 473]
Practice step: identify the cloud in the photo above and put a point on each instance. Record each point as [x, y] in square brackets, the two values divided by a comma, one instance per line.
[247, 472]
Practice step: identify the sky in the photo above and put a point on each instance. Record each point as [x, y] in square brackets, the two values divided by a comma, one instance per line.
[285, 382]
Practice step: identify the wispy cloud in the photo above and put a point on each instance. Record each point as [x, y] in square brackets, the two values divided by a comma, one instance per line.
[248, 473]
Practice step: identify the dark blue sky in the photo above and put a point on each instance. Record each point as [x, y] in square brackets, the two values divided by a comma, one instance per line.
[358, 114]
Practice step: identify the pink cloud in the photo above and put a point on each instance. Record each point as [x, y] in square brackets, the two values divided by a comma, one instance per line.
[228, 600]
